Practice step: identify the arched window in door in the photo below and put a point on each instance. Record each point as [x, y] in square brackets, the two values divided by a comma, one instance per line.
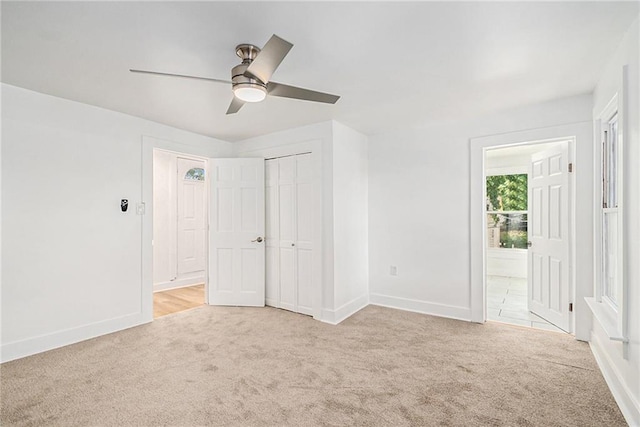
[194, 174]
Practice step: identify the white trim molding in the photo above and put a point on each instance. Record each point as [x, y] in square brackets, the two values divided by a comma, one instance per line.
[30, 346]
[345, 311]
[629, 406]
[177, 284]
[423, 307]
[613, 319]
[606, 320]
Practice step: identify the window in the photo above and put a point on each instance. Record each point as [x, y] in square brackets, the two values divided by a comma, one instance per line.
[608, 302]
[194, 174]
[610, 215]
[507, 211]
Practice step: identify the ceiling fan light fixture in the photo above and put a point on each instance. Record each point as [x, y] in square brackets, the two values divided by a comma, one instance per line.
[250, 92]
[251, 80]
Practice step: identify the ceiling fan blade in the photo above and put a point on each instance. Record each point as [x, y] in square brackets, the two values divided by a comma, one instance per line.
[236, 104]
[286, 91]
[157, 73]
[268, 59]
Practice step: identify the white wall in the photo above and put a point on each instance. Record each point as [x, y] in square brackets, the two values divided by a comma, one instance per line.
[350, 209]
[507, 262]
[623, 371]
[515, 163]
[71, 259]
[419, 205]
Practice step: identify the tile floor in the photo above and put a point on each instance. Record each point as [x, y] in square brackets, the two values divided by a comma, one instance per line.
[507, 303]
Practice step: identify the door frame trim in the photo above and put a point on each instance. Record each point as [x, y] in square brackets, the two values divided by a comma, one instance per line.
[572, 133]
[149, 144]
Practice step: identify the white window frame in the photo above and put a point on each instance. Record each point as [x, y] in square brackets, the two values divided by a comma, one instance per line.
[611, 315]
[610, 176]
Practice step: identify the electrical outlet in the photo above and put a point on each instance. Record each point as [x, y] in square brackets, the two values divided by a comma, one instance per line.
[393, 270]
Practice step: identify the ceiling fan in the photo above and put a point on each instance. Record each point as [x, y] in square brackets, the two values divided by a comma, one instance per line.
[251, 80]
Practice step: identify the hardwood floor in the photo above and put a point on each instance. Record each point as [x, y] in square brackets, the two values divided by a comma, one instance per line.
[176, 300]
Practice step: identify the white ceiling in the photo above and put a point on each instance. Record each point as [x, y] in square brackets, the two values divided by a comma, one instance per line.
[394, 64]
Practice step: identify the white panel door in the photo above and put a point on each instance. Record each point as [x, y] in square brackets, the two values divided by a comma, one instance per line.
[272, 232]
[548, 264]
[304, 234]
[289, 233]
[191, 217]
[237, 231]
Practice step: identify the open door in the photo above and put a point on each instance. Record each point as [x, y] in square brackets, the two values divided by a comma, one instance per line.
[236, 232]
[548, 255]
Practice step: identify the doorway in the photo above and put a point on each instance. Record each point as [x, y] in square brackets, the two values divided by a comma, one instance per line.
[527, 235]
[180, 201]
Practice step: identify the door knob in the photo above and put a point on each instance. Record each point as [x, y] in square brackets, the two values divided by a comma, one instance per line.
[259, 240]
[529, 244]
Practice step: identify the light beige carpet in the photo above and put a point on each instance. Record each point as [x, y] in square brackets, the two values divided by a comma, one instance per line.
[263, 366]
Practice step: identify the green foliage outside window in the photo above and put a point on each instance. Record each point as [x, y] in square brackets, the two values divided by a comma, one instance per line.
[514, 239]
[507, 192]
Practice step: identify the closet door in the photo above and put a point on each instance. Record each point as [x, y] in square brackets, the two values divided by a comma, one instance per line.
[272, 233]
[304, 234]
[289, 233]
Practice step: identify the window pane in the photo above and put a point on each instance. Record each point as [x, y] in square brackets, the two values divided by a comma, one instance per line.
[610, 256]
[612, 160]
[507, 192]
[507, 230]
[195, 174]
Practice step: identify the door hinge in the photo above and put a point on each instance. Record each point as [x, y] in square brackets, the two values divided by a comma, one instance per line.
[570, 167]
[570, 307]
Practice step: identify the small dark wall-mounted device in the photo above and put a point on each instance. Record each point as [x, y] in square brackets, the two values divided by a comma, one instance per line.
[124, 204]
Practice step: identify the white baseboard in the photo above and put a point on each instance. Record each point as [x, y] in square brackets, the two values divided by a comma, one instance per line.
[23, 348]
[424, 307]
[629, 406]
[270, 302]
[345, 311]
[175, 284]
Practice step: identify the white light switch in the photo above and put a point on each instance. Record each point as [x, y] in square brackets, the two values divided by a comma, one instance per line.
[140, 208]
[393, 270]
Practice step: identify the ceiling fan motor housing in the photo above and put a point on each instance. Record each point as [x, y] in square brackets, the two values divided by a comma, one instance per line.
[246, 52]
[238, 76]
